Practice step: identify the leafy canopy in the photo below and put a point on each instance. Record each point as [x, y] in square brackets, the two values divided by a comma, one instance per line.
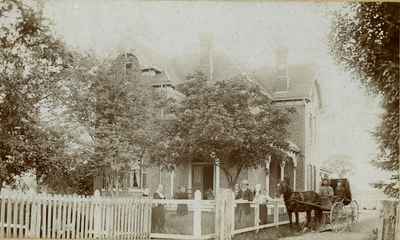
[366, 41]
[231, 121]
[30, 63]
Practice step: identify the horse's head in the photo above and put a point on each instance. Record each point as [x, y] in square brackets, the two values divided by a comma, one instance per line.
[283, 187]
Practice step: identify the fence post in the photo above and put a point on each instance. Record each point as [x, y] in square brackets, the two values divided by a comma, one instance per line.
[389, 225]
[257, 214]
[97, 214]
[276, 212]
[197, 214]
[397, 224]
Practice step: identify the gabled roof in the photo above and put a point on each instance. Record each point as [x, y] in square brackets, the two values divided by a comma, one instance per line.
[223, 68]
[302, 76]
[301, 81]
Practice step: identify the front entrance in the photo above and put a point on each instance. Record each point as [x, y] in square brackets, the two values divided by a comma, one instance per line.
[202, 177]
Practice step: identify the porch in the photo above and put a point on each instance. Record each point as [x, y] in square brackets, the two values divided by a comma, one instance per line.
[200, 175]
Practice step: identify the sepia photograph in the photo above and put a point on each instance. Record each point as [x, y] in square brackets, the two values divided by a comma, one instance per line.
[196, 120]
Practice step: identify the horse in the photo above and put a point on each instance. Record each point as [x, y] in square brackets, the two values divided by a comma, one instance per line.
[293, 202]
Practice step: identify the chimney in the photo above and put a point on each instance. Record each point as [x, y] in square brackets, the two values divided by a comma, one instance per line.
[206, 55]
[281, 70]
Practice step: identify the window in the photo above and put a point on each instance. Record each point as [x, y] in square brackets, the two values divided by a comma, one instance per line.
[315, 178]
[311, 177]
[144, 178]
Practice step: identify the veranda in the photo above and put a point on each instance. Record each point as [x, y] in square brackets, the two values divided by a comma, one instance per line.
[44, 216]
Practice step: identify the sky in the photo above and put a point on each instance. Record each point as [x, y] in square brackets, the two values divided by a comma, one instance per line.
[245, 32]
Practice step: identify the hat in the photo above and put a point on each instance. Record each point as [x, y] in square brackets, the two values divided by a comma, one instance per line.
[245, 182]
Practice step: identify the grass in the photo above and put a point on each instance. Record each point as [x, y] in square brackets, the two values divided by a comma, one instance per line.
[272, 233]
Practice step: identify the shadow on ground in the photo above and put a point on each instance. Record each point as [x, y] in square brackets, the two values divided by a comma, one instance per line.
[269, 233]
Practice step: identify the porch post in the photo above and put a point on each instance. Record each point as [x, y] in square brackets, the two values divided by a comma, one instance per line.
[267, 173]
[283, 170]
[216, 177]
[189, 187]
[294, 172]
[172, 178]
[160, 176]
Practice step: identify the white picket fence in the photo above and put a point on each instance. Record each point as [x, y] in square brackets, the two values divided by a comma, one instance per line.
[218, 219]
[44, 216]
[71, 217]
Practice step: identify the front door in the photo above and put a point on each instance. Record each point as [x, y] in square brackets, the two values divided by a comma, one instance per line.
[197, 178]
[202, 178]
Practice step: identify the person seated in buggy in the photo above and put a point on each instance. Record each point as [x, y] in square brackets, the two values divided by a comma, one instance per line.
[326, 195]
[341, 193]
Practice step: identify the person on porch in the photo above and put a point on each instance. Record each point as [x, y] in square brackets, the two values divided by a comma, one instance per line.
[146, 193]
[209, 194]
[182, 209]
[236, 191]
[245, 194]
[261, 199]
[158, 212]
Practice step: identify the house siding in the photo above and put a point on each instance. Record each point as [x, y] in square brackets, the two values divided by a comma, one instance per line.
[297, 134]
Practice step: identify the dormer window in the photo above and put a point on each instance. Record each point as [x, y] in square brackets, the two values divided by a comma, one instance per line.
[129, 61]
[128, 65]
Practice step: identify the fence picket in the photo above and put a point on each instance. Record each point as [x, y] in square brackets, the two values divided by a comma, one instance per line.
[14, 216]
[110, 219]
[8, 216]
[91, 218]
[104, 211]
[20, 223]
[118, 218]
[53, 217]
[68, 229]
[129, 221]
[141, 223]
[59, 219]
[79, 227]
[49, 216]
[123, 213]
[136, 217]
[139, 218]
[87, 217]
[38, 216]
[45, 224]
[114, 226]
[2, 213]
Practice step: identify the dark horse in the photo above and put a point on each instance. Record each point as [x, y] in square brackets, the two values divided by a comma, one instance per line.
[293, 202]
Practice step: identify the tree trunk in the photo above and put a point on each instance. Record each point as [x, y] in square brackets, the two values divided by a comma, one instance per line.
[232, 180]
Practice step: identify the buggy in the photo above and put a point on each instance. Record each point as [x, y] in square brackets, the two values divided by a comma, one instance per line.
[344, 211]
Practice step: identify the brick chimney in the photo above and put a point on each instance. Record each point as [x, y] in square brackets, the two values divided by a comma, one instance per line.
[206, 55]
[281, 83]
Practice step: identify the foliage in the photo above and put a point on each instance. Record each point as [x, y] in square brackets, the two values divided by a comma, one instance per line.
[231, 121]
[340, 164]
[31, 60]
[366, 41]
[125, 116]
[111, 114]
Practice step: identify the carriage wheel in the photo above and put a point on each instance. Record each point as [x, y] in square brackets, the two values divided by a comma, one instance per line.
[338, 217]
[355, 211]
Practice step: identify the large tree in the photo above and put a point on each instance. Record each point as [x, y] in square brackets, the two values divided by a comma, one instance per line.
[366, 41]
[231, 121]
[111, 112]
[30, 62]
[340, 164]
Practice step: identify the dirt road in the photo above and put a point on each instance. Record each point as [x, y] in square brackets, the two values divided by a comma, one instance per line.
[360, 231]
